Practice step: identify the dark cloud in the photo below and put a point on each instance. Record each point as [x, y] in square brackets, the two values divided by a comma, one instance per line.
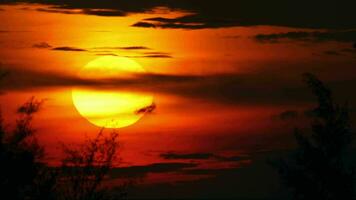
[212, 14]
[141, 51]
[144, 25]
[135, 48]
[97, 12]
[186, 22]
[201, 156]
[196, 156]
[232, 158]
[153, 55]
[348, 50]
[65, 48]
[287, 115]
[142, 171]
[124, 48]
[259, 180]
[146, 110]
[41, 45]
[228, 13]
[106, 54]
[332, 53]
[222, 88]
[312, 36]
[104, 12]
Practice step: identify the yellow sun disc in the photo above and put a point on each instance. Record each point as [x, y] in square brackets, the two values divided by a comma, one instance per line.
[110, 109]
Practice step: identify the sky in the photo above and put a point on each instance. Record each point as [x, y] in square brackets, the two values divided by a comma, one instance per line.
[225, 77]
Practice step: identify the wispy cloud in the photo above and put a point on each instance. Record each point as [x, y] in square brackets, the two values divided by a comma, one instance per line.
[146, 110]
[201, 156]
[85, 11]
[139, 51]
[66, 48]
[308, 36]
[42, 45]
[124, 48]
[142, 171]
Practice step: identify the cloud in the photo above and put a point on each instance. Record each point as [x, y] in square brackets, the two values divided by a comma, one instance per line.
[146, 110]
[227, 13]
[108, 51]
[196, 156]
[125, 48]
[41, 45]
[201, 156]
[144, 25]
[135, 48]
[287, 115]
[316, 14]
[153, 55]
[332, 53]
[186, 22]
[65, 48]
[106, 54]
[142, 171]
[259, 180]
[97, 12]
[311, 36]
[142, 51]
[220, 88]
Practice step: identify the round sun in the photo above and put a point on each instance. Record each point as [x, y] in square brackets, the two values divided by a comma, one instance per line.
[110, 108]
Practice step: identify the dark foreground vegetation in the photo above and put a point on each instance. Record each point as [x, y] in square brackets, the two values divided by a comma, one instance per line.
[322, 167]
[24, 175]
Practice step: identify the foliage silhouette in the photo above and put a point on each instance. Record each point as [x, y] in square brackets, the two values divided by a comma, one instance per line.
[24, 175]
[20, 155]
[321, 167]
[84, 168]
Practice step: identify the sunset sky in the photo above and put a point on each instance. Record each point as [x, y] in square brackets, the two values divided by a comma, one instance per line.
[224, 78]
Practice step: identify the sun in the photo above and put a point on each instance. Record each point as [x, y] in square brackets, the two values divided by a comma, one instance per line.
[110, 108]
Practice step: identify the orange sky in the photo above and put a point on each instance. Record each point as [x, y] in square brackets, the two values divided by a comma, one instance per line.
[183, 120]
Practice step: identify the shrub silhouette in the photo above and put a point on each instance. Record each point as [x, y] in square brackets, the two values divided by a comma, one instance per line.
[84, 168]
[23, 175]
[20, 155]
[321, 167]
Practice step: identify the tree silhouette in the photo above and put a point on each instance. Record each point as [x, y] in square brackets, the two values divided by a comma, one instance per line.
[24, 175]
[84, 168]
[20, 155]
[321, 167]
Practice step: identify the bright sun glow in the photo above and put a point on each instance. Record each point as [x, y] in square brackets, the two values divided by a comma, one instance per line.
[110, 109]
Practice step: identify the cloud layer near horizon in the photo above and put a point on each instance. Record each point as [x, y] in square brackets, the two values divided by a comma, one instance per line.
[221, 88]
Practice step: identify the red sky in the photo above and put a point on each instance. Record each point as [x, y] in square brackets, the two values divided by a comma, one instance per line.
[229, 84]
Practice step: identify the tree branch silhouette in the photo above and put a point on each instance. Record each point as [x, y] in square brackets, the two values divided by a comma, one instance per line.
[24, 175]
[321, 167]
